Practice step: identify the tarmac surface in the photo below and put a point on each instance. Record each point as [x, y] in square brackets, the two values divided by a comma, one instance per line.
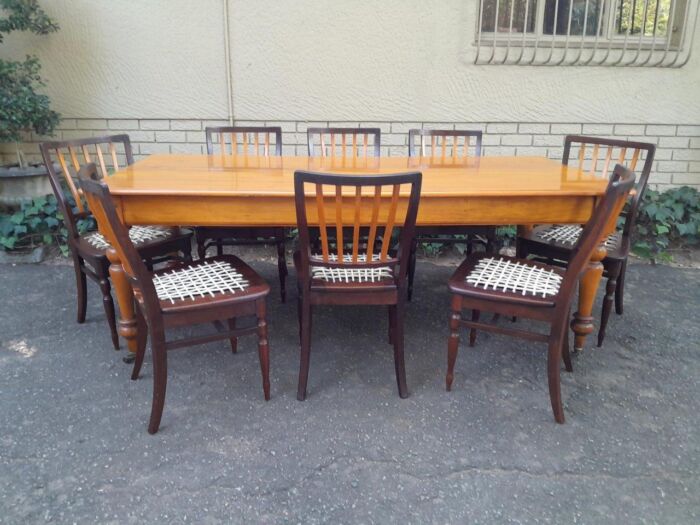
[74, 446]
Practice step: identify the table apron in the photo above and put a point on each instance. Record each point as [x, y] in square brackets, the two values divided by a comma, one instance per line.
[177, 210]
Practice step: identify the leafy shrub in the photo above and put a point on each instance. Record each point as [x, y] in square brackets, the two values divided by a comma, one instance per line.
[667, 220]
[37, 222]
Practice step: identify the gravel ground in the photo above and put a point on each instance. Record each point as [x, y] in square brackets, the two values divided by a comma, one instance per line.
[74, 446]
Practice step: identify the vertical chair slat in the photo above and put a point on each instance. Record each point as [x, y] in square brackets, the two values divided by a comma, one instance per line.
[606, 166]
[432, 146]
[339, 220]
[365, 139]
[443, 142]
[323, 145]
[376, 203]
[422, 146]
[86, 154]
[322, 221]
[635, 158]
[101, 159]
[222, 143]
[594, 162]
[354, 145]
[246, 143]
[391, 219]
[623, 154]
[455, 146]
[356, 226]
[113, 153]
[74, 159]
[266, 151]
[257, 143]
[581, 155]
[69, 180]
[332, 144]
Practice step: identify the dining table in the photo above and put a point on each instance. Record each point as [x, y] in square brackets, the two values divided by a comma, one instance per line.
[246, 190]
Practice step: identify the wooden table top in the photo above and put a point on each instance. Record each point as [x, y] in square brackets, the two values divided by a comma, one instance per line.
[217, 175]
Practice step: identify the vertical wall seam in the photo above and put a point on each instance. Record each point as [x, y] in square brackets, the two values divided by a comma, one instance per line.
[227, 57]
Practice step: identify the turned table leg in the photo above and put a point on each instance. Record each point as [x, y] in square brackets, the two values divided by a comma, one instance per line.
[582, 323]
[126, 326]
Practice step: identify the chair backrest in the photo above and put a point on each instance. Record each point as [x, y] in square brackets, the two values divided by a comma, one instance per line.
[245, 140]
[109, 153]
[601, 223]
[343, 142]
[596, 155]
[444, 143]
[367, 202]
[111, 227]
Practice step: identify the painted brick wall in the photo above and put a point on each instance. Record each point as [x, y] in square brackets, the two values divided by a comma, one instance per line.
[677, 154]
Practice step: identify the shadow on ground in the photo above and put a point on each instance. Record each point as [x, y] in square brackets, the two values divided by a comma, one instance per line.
[74, 447]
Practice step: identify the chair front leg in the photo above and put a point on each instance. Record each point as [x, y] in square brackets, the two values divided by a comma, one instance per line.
[141, 339]
[305, 328]
[263, 347]
[160, 378]
[398, 341]
[620, 290]
[554, 356]
[282, 268]
[108, 304]
[453, 339]
[613, 271]
[81, 287]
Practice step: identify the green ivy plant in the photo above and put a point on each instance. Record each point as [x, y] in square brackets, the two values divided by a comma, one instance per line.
[22, 106]
[37, 222]
[667, 221]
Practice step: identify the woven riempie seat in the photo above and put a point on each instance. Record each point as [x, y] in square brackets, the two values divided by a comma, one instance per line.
[510, 286]
[514, 276]
[568, 234]
[554, 243]
[350, 275]
[507, 278]
[137, 234]
[89, 250]
[215, 291]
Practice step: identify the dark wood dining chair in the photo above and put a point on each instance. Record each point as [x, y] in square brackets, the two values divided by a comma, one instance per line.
[350, 270]
[344, 142]
[553, 243]
[447, 146]
[63, 160]
[212, 290]
[520, 287]
[245, 141]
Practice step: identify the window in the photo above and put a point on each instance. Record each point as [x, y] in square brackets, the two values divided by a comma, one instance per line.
[586, 32]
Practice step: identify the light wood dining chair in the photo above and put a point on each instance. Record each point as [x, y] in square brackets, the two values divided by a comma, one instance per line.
[350, 270]
[344, 142]
[63, 160]
[447, 146]
[553, 243]
[213, 290]
[245, 141]
[520, 287]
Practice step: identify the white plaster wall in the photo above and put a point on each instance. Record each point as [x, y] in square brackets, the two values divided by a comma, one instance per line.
[329, 60]
[413, 60]
[131, 58]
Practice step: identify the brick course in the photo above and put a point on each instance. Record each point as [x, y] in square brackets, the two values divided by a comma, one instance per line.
[677, 160]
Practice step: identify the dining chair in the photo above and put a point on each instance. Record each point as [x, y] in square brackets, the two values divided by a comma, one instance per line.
[63, 160]
[245, 141]
[350, 270]
[449, 147]
[520, 287]
[553, 243]
[211, 290]
[344, 142]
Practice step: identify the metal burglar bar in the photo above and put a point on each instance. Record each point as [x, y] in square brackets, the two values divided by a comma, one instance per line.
[631, 33]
